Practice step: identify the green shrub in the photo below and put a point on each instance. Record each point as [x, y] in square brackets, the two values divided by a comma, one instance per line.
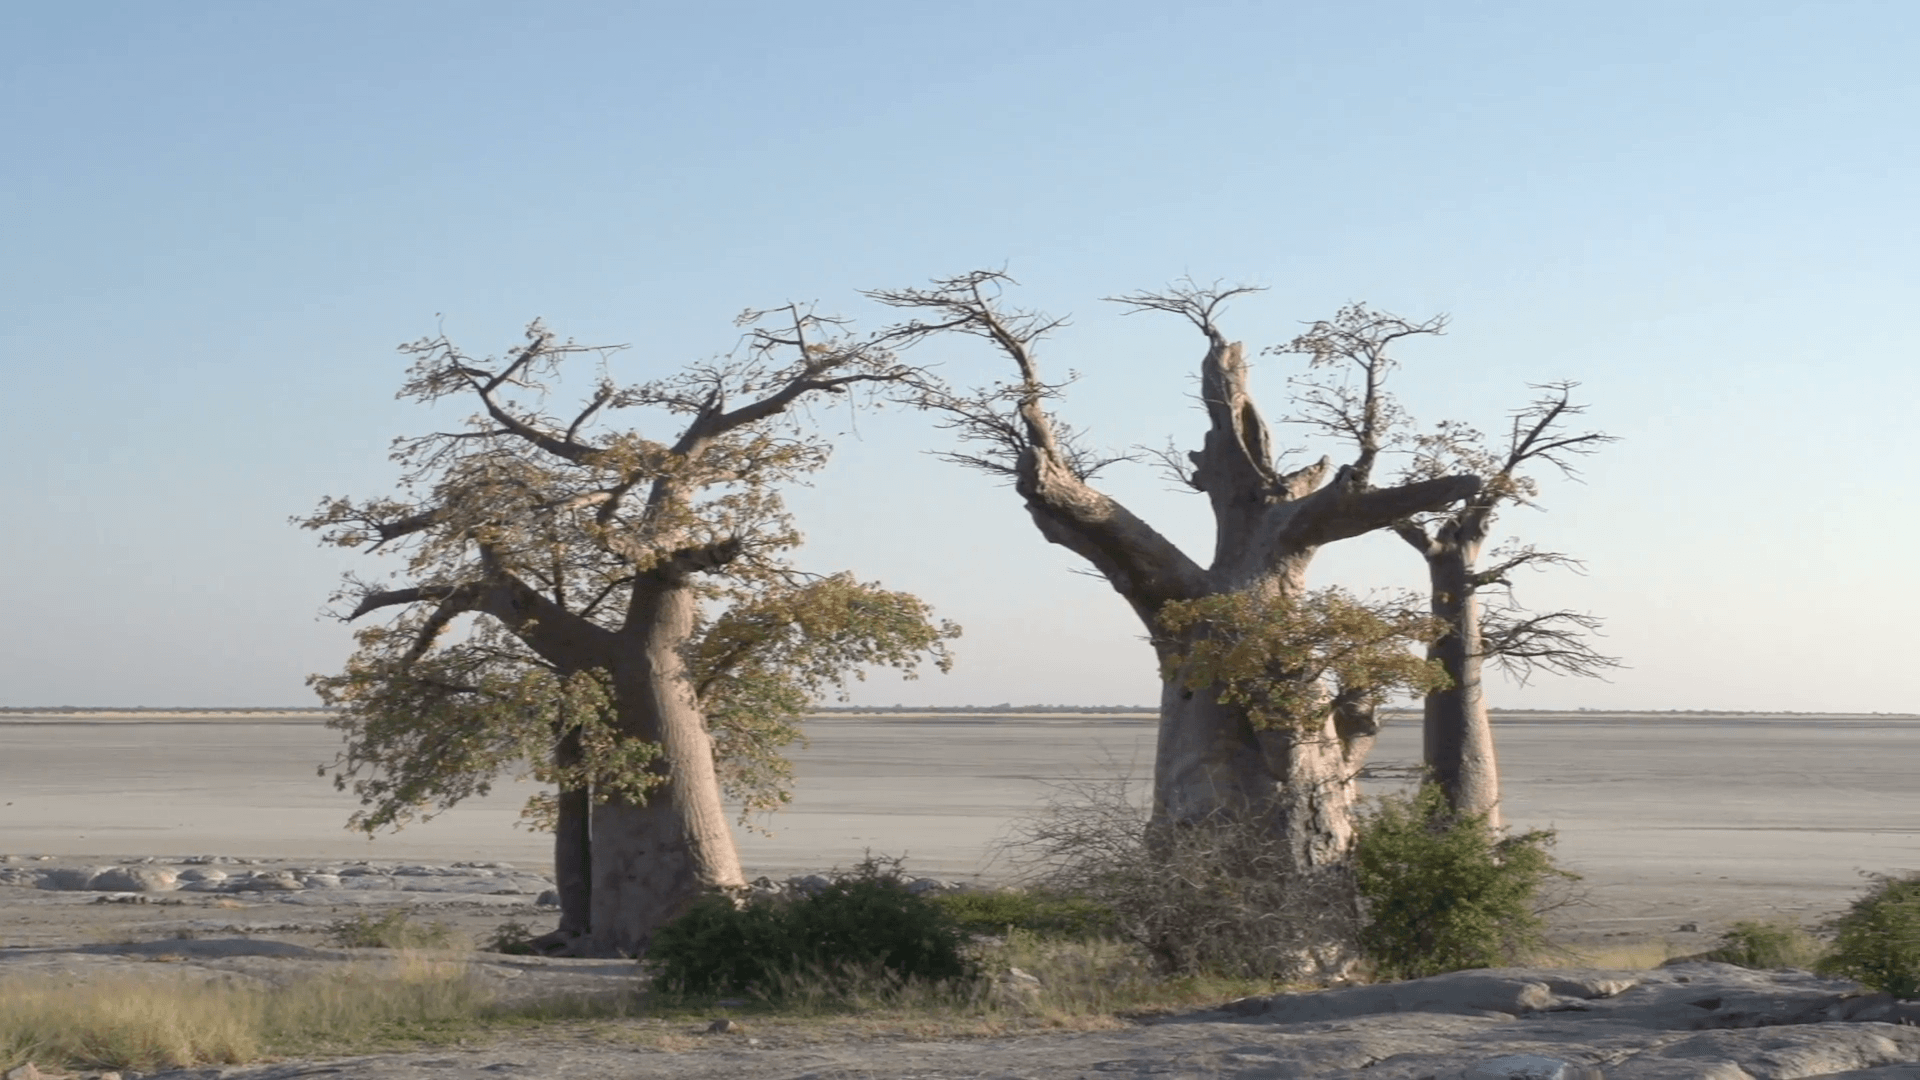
[1042, 913]
[1877, 942]
[1767, 946]
[514, 938]
[1445, 893]
[394, 930]
[862, 925]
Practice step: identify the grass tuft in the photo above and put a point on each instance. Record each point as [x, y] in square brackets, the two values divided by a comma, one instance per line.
[1768, 945]
[394, 930]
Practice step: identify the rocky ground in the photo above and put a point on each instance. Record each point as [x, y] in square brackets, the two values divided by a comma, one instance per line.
[267, 920]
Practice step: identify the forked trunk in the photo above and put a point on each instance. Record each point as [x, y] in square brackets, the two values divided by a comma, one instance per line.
[651, 858]
[1211, 764]
[1457, 732]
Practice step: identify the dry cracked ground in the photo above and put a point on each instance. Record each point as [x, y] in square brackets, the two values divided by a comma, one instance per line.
[1690, 1019]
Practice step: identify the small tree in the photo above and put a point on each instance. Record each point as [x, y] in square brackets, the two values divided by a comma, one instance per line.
[638, 631]
[1341, 395]
[1458, 734]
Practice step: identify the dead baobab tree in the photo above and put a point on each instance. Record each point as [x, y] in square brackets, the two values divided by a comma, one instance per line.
[1457, 734]
[1246, 729]
[634, 614]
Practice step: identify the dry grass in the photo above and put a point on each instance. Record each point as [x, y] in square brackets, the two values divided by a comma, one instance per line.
[1633, 956]
[129, 1022]
[149, 1023]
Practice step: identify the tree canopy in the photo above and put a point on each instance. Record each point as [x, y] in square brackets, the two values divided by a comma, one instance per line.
[614, 612]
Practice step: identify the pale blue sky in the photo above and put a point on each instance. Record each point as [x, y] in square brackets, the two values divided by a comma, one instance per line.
[219, 218]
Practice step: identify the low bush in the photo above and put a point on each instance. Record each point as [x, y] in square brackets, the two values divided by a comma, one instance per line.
[1443, 892]
[1767, 946]
[1877, 942]
[394, 930]
[864, 927]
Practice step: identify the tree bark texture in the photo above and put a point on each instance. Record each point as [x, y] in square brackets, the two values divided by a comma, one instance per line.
[1457, 733]
[572, 844]
[651, 858]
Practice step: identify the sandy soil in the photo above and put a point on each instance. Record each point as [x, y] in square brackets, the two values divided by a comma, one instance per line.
[1673, 819]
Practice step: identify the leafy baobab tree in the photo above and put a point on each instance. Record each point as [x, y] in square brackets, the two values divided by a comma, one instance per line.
[1457, 734]
[1233, 739]
[630, 605]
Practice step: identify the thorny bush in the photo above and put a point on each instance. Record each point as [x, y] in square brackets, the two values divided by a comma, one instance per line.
[1218, 898]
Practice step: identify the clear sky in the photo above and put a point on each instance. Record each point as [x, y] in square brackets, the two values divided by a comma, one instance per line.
[217, 219]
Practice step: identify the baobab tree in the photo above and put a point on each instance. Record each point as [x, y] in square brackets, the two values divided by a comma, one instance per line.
[1233, 741]
[634, 606]
[1457, 733]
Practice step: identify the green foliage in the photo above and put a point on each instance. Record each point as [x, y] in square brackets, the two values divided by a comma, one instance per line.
[1279, 657]
[394, 930]
[426, 730]
[526, 537]
[1042, 913]
[1767, 946]
[1445, 893]
[1877, 942]
[865, 922]
[774, 654]
[513, 937]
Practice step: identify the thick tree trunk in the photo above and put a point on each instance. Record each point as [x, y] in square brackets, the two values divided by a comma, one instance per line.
[1212, 762]
[572, 845]
[651, 858]
[1457, 732]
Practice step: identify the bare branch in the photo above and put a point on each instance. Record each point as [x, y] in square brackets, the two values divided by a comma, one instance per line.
[1171, 463]
[1336, 512]
[1024, 441]
[1534, 434]
[701, 558]
[1198, 304]
[1523, 644]
[374, 601]
[1354, 346]
[1513, 557]
[971, 305]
